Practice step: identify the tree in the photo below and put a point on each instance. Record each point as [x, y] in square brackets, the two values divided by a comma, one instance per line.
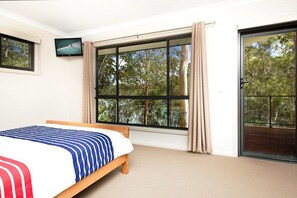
[183, 85]
[270, 70]
[143, 73]
[15, 53]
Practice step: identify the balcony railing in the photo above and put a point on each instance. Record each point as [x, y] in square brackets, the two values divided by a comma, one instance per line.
[270, 110]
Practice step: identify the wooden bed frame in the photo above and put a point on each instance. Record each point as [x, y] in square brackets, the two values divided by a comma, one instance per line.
[95, 176]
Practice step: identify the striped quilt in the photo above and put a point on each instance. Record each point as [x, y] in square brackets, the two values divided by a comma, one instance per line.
[15, 179]
[89, 150]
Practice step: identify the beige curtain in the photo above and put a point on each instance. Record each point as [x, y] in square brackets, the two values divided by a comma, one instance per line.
[88, 84]
[199, 129]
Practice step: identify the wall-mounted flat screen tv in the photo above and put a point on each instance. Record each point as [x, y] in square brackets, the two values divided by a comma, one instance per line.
[68, 47]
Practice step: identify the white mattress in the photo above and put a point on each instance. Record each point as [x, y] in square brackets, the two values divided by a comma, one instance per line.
[51, 167]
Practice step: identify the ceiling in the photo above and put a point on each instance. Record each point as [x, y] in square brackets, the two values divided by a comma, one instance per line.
[74, 16]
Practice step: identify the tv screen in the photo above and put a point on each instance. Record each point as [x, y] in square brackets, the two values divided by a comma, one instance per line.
[68, 47]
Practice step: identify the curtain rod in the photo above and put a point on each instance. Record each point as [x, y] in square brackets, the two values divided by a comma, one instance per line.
[150, 33]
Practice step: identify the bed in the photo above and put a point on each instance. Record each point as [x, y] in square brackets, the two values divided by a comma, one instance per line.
[54, 173]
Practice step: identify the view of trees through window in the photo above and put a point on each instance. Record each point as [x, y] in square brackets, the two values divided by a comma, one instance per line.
[16, 53]
[270, 70]
[145, 84]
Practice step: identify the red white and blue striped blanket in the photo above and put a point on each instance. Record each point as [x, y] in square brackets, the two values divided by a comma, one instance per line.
[15, 179]
[90, 151]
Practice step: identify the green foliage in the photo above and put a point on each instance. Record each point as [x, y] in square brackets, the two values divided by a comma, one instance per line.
[106, 72]
[143, 72]
[107, 110]
[270, 70]
[15, 53]
[132, 112]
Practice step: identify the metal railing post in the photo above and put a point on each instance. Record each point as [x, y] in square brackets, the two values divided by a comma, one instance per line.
[270, 113]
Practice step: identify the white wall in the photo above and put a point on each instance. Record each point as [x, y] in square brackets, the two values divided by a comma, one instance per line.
[56, 93]
[223, 68]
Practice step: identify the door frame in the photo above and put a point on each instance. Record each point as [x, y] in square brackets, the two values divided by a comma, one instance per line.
[269, 29]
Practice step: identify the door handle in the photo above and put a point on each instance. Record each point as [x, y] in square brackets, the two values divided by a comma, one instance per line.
[242, 82]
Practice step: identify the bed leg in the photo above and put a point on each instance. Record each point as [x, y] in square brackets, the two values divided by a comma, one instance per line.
[125, 167]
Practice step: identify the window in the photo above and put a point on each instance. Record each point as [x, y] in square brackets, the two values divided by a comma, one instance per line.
[144, 84]
[16, 53]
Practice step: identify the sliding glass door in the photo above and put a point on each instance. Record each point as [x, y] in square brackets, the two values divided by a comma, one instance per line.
[268, 94]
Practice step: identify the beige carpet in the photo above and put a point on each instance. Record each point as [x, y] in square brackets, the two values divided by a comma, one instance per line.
[163, 173]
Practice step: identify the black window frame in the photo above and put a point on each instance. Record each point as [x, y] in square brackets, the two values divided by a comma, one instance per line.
[117, 97]
[31, 51]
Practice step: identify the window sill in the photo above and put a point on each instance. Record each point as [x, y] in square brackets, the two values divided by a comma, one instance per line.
[15, 71]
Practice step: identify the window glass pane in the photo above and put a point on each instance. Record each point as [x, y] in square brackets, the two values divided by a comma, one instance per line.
[269, 61]
[180, 60]
[107, 110]
[179, 113]
[143, 112]
[131, 111]
[142, 70]
[16, 53]
[106, 72]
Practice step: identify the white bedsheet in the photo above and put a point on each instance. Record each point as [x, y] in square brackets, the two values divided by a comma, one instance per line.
[51, 167]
